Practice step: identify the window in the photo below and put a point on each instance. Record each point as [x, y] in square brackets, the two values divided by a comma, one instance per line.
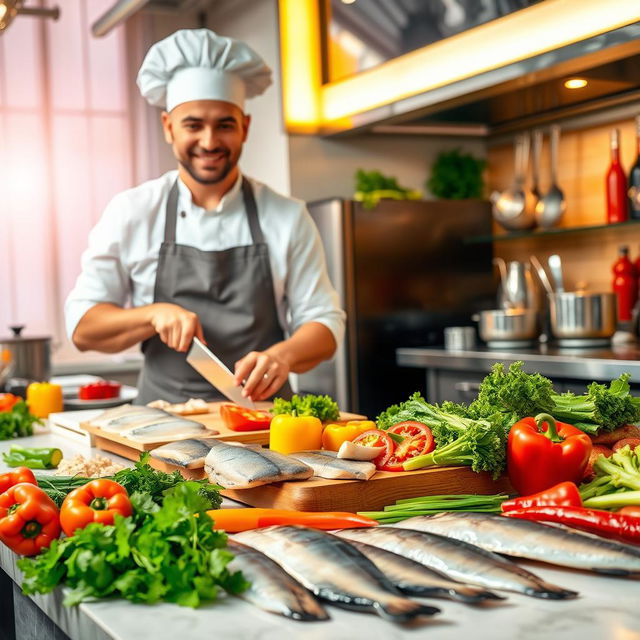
[65, 150]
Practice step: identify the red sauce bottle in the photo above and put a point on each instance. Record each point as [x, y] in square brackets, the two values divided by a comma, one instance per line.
[616, 184]
[625, 284]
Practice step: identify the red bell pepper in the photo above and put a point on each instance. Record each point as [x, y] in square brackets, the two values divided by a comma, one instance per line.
[542, 453]
[100, 390]
[29, 519]
[565, 494]
[234, 520]
[8, 401]
[21, 474]
[240, 419]
[603, 523]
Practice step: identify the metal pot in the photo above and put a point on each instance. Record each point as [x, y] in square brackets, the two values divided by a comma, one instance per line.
[27, 357]
[507, 325]
[577, 314]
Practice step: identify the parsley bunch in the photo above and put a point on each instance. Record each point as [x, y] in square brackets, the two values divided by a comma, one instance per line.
[17, 422]
[165, 553]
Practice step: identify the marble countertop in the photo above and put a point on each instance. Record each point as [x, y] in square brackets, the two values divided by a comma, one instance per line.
[606, 609]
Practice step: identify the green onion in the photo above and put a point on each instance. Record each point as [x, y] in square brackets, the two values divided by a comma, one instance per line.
[430, 505]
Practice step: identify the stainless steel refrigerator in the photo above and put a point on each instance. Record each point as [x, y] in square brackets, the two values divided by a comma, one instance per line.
[404, 271]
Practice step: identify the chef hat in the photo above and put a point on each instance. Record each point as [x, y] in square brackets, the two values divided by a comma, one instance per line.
[198, 64]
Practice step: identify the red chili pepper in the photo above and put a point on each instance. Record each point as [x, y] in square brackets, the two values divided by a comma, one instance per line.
[29, 519]
[21, 474]
[565, 494]
[542, 452]
[602, 523]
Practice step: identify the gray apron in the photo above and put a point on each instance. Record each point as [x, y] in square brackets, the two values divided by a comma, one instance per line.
[231, 291]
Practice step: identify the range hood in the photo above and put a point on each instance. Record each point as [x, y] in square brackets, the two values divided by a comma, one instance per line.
[124, 9]
[522, 95]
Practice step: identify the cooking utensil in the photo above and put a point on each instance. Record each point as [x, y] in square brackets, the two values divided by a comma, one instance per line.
[459, 338]
[577, 314]
[535, 168]
[214, 371]
[503, 296]
[555, 266]
[506, 325]
[520, 288]
[552, 205]
[30, 357]
[509, 208]
[542, 274]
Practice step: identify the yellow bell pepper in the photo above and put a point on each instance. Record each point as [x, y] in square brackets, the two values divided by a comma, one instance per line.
[288, 434]
[44, 398]
[335, 434]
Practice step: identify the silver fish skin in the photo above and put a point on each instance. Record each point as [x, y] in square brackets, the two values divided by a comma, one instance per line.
[236, 467]
[189, 453]
[532, 540]
[272, 588]
[458, 561]
[334, 571]
[415, 579]
[123, 421]
[326, 464]
[166, 429]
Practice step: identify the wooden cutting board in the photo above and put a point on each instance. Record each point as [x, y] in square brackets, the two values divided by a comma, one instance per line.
[384, 488]
[131, 449]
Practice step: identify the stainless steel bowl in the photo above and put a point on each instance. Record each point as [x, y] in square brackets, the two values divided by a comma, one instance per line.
[502, 325]
[583, 315]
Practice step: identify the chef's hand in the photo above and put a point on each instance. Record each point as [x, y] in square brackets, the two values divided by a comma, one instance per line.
[263, 374]
[175, 326]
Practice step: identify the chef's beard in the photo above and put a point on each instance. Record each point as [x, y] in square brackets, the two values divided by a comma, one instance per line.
[209, 177]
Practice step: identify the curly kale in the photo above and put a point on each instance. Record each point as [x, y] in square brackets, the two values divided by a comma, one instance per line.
[322, 407]
[600, 407]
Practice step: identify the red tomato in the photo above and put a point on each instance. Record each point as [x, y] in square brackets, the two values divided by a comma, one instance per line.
[377, 438]
[418, 440]
[7, 401]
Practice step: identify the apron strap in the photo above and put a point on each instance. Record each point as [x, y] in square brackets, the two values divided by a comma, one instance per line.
[252, 212]
[251, 209]
[171, 214]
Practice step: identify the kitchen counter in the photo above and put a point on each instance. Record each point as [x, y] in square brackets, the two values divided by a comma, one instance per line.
[606, 608]
[554, 362]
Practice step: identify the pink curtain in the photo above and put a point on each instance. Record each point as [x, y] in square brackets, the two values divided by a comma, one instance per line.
[65, 150]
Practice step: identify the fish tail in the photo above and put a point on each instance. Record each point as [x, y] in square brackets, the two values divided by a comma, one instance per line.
[549, 591]
[472, 595]
[403, 609]
[303, 615]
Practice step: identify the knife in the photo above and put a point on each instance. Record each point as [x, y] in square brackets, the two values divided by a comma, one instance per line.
[214, 371]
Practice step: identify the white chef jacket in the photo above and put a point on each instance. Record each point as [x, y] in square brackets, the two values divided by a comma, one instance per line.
[120, 263]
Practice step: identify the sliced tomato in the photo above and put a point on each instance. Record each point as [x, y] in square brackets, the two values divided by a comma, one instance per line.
[377, 438]
[240, 419]
[417, 440]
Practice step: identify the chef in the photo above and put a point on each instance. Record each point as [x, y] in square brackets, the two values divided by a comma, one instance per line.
[205, 251]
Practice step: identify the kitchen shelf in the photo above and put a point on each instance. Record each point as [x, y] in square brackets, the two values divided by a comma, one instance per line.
[516, 235]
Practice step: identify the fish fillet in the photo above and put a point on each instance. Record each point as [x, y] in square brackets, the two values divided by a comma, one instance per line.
[326, 464]
[236, 467]
[188, 453]
[166, 430]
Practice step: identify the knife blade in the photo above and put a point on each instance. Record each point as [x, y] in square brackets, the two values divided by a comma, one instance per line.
[214, 371]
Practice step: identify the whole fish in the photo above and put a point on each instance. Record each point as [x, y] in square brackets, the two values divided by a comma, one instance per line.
[334, 570]
[532, 540]
[237, 467]
[189, 453]
[119, 419]
[417, 580]
[272, 588]
[166, 429]
[458, 561]
[326, 464]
